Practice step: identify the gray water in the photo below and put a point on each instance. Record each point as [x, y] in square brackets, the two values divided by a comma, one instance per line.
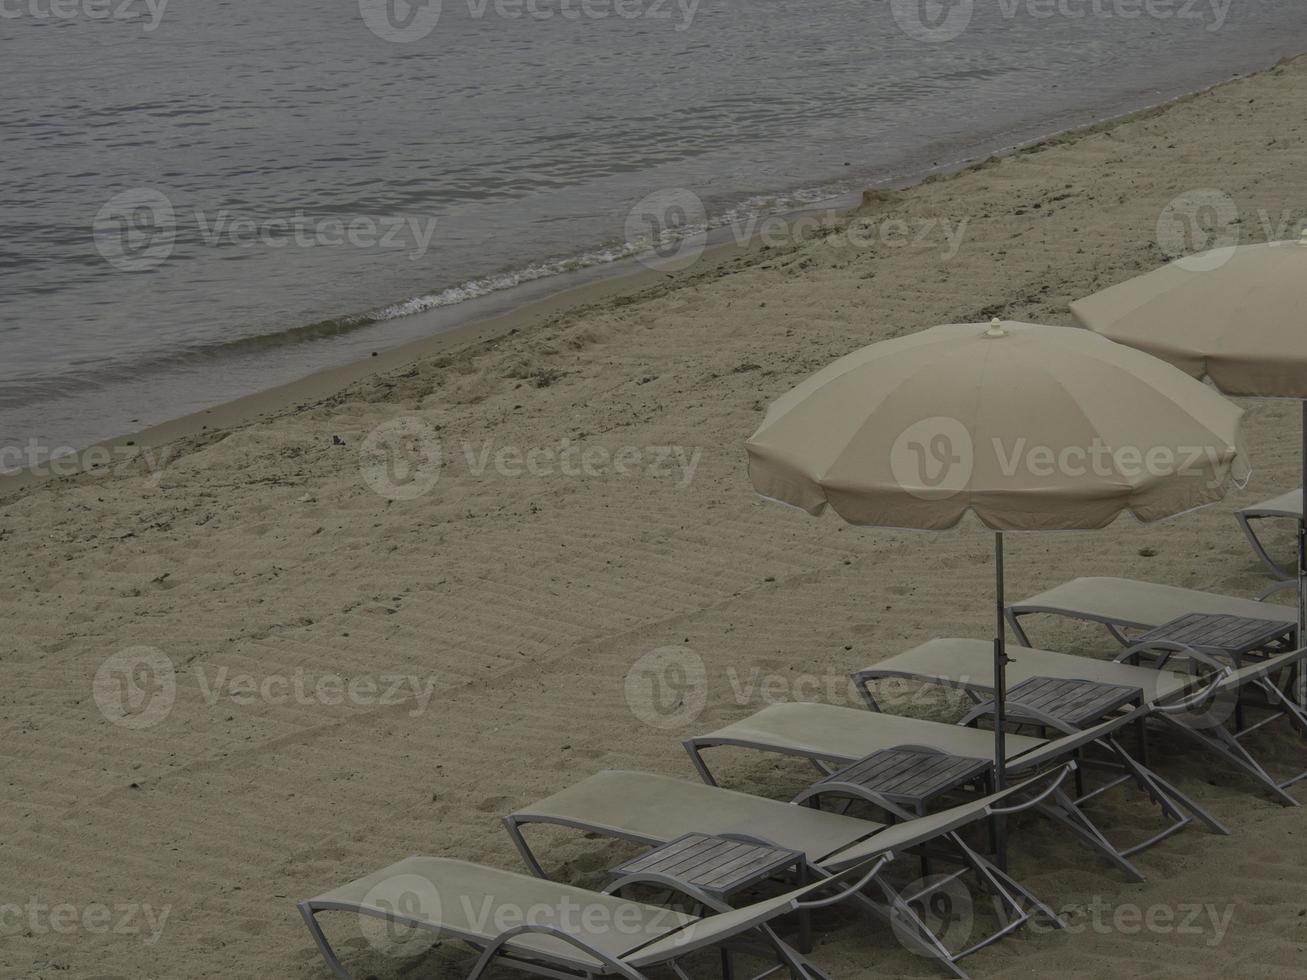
[181, 177]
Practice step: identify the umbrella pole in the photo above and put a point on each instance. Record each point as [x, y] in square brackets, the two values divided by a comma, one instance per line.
[1302, 566]
[1000, 699]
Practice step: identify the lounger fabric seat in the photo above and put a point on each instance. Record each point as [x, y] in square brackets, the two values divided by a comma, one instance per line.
[653, 809]
[463, 900]
[1124, 604]
[559, 930]
[843, 735]
[1285, 505]
[969, 664]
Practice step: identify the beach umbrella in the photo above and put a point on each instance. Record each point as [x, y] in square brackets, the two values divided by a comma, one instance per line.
[1235, 315]
[1027, 427]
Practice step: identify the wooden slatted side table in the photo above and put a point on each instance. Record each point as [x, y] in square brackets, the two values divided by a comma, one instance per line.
[722, 866]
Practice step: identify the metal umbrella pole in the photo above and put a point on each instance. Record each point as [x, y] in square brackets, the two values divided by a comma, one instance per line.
[1000, 701]
[1301, 685]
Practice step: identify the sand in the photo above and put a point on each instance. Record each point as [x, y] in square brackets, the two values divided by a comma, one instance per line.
[518, 601]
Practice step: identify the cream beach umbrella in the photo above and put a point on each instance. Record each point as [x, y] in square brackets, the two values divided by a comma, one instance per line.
[1027, 427]
[1235, 315]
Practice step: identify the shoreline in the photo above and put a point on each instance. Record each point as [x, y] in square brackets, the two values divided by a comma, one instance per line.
[625, 279]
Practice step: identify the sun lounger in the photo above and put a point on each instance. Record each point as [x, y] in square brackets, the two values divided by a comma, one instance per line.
[1287, 506]
[1123, 604]
[561, 931]
[833, 736]
[1201, 708]
[651, 809]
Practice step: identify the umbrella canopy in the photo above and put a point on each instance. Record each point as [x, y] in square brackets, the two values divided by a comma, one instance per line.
[1235, 315]
[1030, 427]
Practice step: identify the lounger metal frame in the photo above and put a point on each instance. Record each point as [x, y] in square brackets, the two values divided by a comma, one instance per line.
[895, 908]
[1228, 741]
[1063, 807]
[1261, 512]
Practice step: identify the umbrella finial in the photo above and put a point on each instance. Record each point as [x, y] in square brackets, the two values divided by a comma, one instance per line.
[995, 328]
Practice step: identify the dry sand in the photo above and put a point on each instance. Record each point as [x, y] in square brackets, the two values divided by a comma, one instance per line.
[261, 550]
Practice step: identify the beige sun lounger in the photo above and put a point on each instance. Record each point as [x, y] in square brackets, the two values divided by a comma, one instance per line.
[651, 809]
[833, 737]
[564, 932]
[1200, 708]
[1287, 506]
[1123, 604]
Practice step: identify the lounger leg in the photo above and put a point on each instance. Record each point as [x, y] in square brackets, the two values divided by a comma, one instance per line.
[1227, 746]
[1066, 812]
[695, 749]
[862, 684]
[324, 947]
[1167, 795]
[515, 832]
[801, 968]
[1284, 701]
[914, 932]
[1278, 570]
[1002, 882]
[1014, 621]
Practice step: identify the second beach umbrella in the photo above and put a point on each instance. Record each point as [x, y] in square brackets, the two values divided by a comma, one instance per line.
[1028, 427]
[1236, 315]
